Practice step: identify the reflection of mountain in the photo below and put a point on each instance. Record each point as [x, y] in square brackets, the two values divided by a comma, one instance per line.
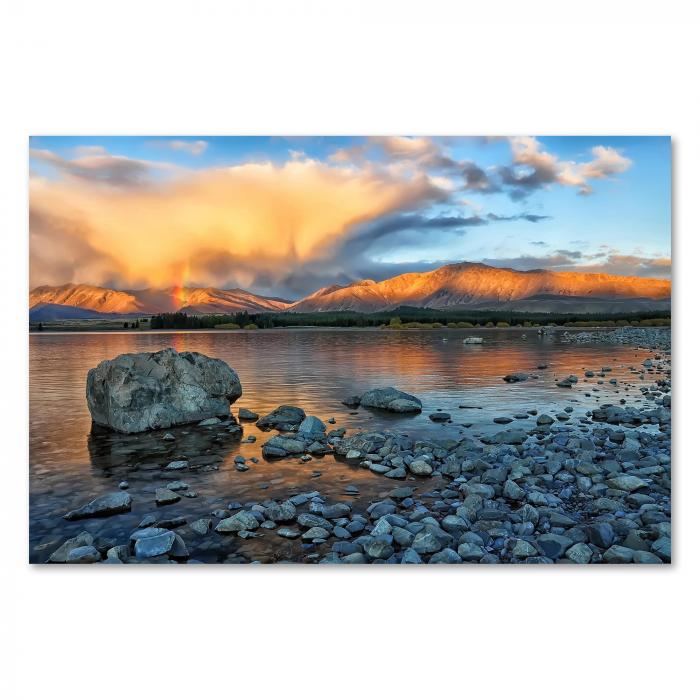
[480, 286]
[462, 285]
[150, 301]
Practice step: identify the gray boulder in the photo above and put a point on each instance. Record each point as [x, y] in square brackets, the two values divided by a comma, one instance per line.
[390, 399]
[109, 504]
[151, 390]
[283, 418]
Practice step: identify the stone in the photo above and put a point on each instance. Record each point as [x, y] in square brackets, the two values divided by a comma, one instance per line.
[109, 504]
[512, 491]
[289, 533]
[315, 533]
[391, 399]
[283, 418]
[426, 542]
[524, 549]
[83, 555]
[410, 556]
[177, 465]
[377, 548]
[166, 496]
[554, 546]
[207, 422]
[440, 417]
[146, 391]
[238, 522]
[662, 548]
[617, 554]
[579, 553]
[601, 534]
[626, 482]
[445, 556]
[152, 542]
[641, 557]
[60, 556]
[420, 468]
[281, 512]
[353, 454]
[311, 520]
[544, 419]
[312, 427]
[515, 377]
[280, 446]
[177, 486]
[247, 414]
[201, 526]
[469, 551]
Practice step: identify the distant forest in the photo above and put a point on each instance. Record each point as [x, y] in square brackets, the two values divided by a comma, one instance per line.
[404, 317]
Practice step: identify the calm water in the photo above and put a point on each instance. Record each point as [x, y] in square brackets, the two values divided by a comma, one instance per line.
[311, 368]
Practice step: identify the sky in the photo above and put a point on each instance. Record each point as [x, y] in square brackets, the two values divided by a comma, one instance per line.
[284, 216]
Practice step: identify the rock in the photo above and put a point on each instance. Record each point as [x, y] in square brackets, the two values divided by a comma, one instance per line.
[445, 556]
[352, 401]
[353, 454]
[123, 484]
[312, 428]
[641, 557]
[83, 555]
[440, 417]
[524, 549]
[626, 482]
[152, 542]
[503, 420]
[289, 533]
[544, 419]
[201, 526]
[209, 422]
[515, 377]
[601, 534]
[166, 496]
[554, 546]
[420, 468]
[426, 542]
[336, 510]
[618, 554]
[281, 512]
[315, 533]
[390, 399]
[109, 504]
[284, 418]
[662, 548]
[377, 548]
[177, 486]
[469, 551]
[60, 556]
[177, 465]
[280, 446]
[146, 391]
[237, 523]
[512, 491]
[579, 553]
[247, 414]
[311, 520]
[410, 556]
[168, 437]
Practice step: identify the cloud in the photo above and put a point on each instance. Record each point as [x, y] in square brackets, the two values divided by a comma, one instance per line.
[534, 168]
[273, 217]
[97, 166]
[532, 218]
[476, 179]
[194, 148]
[531, 262]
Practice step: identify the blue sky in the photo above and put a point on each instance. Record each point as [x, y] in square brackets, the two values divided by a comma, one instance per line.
[284, 215]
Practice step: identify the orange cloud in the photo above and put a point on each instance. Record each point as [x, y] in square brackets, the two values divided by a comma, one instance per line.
[265, 213]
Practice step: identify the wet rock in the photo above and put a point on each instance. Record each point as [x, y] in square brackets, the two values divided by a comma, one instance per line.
[617, 554]
[83, 555]
[440, 417]
[391, 399]
[426, 543]
[177, 465]
[312, 428]
[553, 546]
[284, 418]
[166, 496]
[515, 377]
[316, 533]
[281, 512]
[289, 533]
[247, 414]
[601, 534]
[201, 526]
[579, 553]
[60, 556]
[109, 504]
[420, 468]
[238, 522]
[144, 391]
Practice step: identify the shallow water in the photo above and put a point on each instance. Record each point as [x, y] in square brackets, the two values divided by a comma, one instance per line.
[311, 368]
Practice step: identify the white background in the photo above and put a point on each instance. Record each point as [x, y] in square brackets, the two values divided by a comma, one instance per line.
[438, 67]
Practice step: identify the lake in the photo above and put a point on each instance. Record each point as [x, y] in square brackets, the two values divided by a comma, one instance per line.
[311, 368]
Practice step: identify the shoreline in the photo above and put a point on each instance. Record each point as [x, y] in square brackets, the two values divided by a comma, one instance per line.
[569, 488]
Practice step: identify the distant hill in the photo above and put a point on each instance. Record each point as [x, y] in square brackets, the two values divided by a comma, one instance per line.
[195, 300]
[461, 285]
[475, 285]
[60, 312]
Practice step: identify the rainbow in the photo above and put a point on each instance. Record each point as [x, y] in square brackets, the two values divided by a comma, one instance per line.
[180, 293]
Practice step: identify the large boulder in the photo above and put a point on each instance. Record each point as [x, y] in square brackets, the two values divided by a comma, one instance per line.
[149, 390]
[390, 399]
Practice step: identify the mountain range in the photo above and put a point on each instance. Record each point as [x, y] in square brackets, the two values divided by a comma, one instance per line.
[455, 286]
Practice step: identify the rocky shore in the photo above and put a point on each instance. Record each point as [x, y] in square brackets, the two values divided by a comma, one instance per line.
[592, 487]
